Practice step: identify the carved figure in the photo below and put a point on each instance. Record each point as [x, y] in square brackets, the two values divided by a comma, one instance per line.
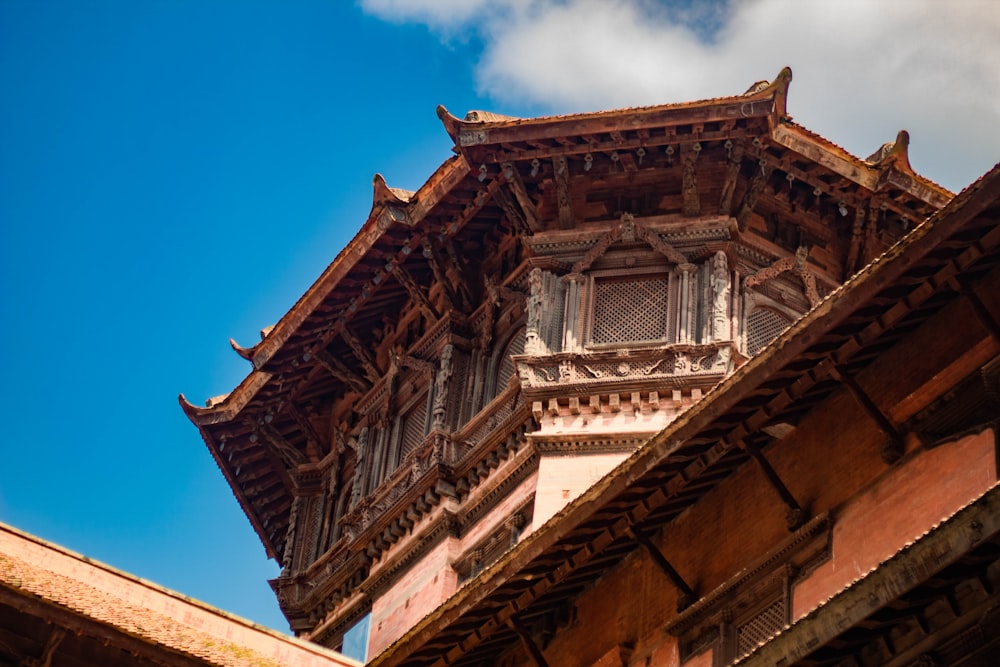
[722, 359]
[441, 386]
[535, 298]
[682, 365]
[720, 296]
[360, 446]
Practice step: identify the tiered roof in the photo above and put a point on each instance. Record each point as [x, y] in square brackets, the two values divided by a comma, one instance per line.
[784, 185]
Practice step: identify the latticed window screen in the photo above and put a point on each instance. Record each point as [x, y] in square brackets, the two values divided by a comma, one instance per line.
[630, 310]
[413, 428]
[506, 368]
[763, 326]
[761, 627]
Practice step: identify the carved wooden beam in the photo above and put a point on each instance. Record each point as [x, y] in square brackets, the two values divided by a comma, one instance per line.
[516, 185]
[340, 371]
[749, 202]
[687, 596]
[657, 243]
[597, 250]
[732, 176]
[416, 293]
[314, 447]
[894, 447]
[371, 370]
[560, 166]
[529, 644]
[689, 180]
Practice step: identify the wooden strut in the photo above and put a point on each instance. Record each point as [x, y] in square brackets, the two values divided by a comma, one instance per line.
[314, 447]
[687, 596]
[416, 293]
[980, 310]
[51, 644]
[371, 370]
[529, 644]
[796, 516]
[341, 372]
[516, 185]
[893, 449]
[560, 168]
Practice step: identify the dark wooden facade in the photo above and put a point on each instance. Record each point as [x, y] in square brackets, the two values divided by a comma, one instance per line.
[556, 295]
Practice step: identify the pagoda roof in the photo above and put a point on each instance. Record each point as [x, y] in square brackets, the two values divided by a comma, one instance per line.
[849, 329]
[69, 605]
[356, 289]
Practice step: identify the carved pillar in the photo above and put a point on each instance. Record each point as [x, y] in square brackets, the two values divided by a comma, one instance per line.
[571, 340]
[360, 461]
[532, 342]
[688, 303]
[719, 282]
[441, 383]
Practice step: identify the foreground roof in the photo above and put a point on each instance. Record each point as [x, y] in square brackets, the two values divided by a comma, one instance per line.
[57, 604]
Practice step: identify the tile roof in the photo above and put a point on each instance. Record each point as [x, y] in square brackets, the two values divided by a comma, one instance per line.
[36, 569]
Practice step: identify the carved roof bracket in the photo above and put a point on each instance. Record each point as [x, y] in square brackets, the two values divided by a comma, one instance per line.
[372, 371]
[792, 264]
[628, 231]
[513, 180]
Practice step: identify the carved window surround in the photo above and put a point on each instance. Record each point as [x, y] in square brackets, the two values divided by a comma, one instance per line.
[755, 602]
[662, 367]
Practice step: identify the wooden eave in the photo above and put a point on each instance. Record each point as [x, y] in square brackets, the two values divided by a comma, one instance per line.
[848, 330]
[496, 141]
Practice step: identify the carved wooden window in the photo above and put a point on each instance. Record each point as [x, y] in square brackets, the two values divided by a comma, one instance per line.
[763, 326]
[765, 623]
[505, 367]
[631, 309]
[413, 427]
[489, 550]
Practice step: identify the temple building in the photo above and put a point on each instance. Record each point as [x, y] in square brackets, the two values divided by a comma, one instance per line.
[675, 385]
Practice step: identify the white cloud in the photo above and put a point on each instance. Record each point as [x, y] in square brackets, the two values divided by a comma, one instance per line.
[863, 68]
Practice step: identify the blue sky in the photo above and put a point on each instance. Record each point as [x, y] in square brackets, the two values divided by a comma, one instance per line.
[176, 173]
